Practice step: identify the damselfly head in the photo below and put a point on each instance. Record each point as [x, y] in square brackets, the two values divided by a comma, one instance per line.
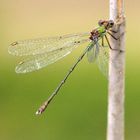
[107, 23]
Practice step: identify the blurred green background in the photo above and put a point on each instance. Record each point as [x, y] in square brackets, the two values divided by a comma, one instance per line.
[80, 109]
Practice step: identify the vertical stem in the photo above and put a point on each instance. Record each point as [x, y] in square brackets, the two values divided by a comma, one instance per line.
[115, 128]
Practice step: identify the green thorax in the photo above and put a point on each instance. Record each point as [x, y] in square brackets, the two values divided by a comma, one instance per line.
[101, 29]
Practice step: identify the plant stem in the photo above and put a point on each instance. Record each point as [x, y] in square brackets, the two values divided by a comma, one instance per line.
[115, 128]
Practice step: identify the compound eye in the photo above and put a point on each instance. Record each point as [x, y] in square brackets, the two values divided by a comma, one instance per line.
[111, 23]
[101, 22]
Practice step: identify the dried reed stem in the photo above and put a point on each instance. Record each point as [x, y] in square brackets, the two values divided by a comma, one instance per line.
[115, 128]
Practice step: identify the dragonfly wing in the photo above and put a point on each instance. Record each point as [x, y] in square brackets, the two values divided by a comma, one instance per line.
[38, 46]
[39, 61]
[103, 59]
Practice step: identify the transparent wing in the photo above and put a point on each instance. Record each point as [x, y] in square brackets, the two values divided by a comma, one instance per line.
[99, 53]
[39, 61]
[92, 52]
[42, 45]
[103, 59]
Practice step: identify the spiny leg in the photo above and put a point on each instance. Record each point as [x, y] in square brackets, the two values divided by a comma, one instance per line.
[112, 35]
[103, 41]
[113, 31]
[115, 39]
[46, 103]
[108, 43]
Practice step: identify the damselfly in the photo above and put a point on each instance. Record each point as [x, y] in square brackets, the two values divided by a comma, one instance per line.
[44, 51]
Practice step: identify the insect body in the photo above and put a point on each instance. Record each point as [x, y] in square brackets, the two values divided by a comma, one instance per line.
[44, 51]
